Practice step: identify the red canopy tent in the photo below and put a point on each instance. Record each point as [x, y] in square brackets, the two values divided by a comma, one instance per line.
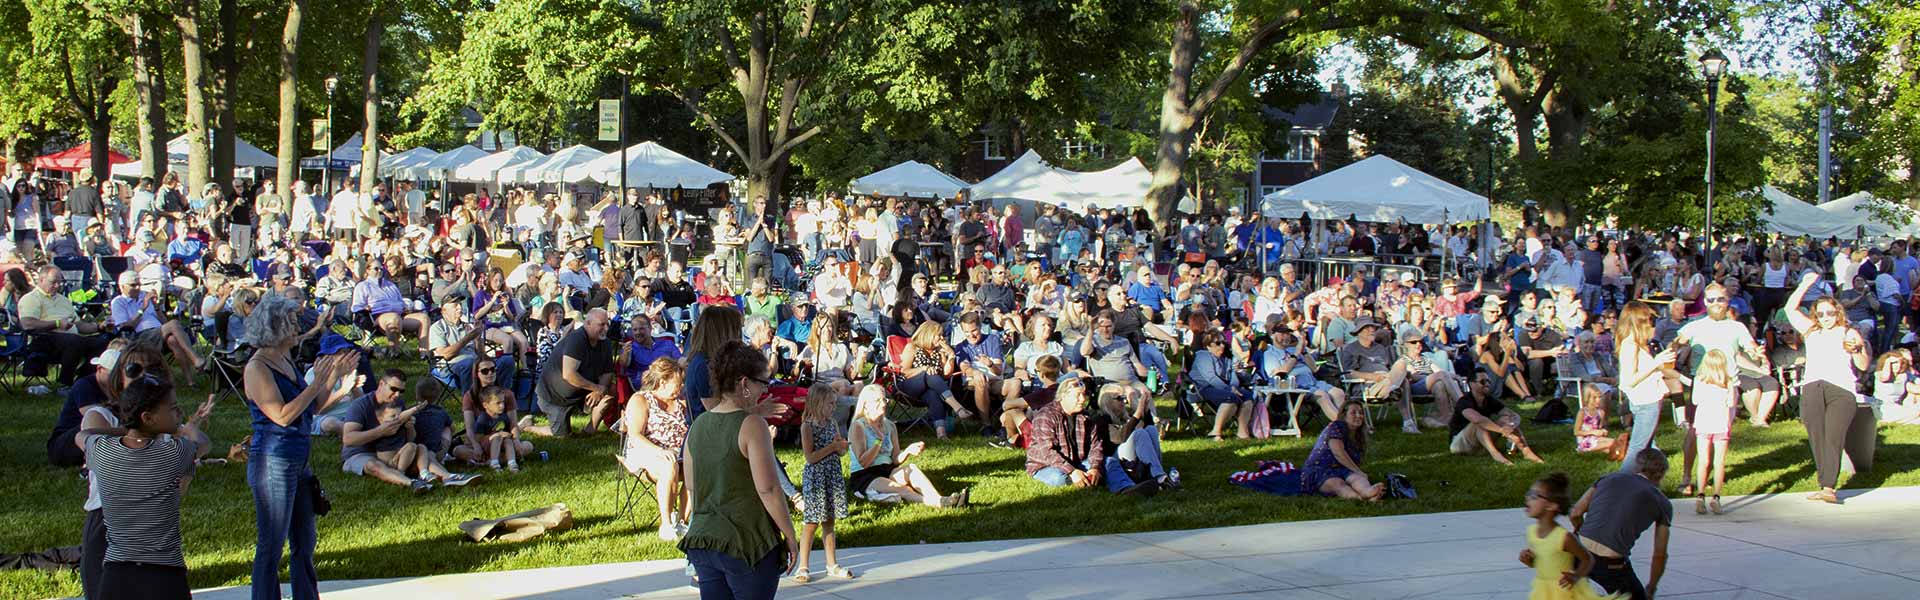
[76, 158]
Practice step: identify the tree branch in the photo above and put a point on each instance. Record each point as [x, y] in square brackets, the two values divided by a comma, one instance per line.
[711, 122]
[790, 144]
[73, 90]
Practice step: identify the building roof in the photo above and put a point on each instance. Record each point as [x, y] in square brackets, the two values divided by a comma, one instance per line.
[1312, 115]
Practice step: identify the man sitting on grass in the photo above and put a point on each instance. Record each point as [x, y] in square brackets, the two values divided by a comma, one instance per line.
[377, 440]
[1064, 447]
[1479, 417]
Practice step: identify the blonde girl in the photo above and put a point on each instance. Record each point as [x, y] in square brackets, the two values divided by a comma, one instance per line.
[879, 464]
[656, 430]
[1713, 393]
[822, 483]
[1590, 429]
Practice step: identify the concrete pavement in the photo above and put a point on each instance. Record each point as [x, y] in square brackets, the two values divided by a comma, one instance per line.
[1764, 547]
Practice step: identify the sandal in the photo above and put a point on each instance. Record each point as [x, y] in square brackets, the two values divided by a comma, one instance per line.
[838, 572]
[802, 577]
[1699, 505]
[1715, 505]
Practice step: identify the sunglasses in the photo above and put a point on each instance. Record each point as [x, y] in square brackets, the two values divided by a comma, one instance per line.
[1826, 313]
[759, 380]
[1716, 300]
[396, 389]
[486, 370]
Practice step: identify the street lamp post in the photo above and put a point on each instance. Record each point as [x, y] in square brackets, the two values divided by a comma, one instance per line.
[1712, 65]
[326, 156]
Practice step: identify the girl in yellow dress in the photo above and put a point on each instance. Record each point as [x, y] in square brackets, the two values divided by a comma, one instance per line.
[1560, 564]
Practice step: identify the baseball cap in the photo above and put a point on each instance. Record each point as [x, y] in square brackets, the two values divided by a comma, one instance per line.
[334, 343]
[107, 359]
[128, 277]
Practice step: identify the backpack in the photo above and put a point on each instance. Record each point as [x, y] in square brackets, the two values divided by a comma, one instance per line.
[1553, 411]
[1400, 488]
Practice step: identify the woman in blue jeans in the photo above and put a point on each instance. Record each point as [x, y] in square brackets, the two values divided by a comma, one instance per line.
[740, 539]
[1643, 375]
[283, 409]
[926, 363]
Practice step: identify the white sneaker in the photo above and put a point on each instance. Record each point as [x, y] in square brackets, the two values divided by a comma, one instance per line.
[1410, 427]
[668, 532]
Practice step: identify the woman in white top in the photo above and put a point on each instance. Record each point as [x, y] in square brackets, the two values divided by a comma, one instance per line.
[1039, 342]
[1828, 404]
[1643, 375]
[1771, 284]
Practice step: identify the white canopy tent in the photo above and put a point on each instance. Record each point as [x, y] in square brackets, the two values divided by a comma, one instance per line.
[649, 165]
[1030, 180]
[245, 156]
[1791, 216]
[1854, 210]
[441, 165]
[551, 168]
[410, 158]
[344, 157]
[485, 169]
[911, 179]
[1378, 189]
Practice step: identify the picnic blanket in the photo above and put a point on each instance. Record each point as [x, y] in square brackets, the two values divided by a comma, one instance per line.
[1280, 478]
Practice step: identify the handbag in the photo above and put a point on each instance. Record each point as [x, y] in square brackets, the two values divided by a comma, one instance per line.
[1260, 423]
[1400, 488]
[322, 502]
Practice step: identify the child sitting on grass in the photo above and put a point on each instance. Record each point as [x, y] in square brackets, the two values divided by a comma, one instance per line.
[1590, 429]
[822, 482]
[493, 433]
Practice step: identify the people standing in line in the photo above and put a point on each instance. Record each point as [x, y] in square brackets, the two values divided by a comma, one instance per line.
[1835, 351]
[741, 537]
[283, 406]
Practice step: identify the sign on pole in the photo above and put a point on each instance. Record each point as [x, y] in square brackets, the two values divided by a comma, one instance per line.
[609, 120]
[320, 135]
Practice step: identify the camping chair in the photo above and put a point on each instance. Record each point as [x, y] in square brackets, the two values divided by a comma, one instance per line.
[29, 367]
[906, 413]
[107, 270]
[1790, 377]
[632, 488]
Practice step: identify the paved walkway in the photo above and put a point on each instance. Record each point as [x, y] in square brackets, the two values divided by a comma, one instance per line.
[1764, 547]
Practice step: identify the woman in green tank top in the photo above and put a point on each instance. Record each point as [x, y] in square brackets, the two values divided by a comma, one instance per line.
[740, 539]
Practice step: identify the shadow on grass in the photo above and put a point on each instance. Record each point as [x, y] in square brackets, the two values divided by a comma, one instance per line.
[436, 555]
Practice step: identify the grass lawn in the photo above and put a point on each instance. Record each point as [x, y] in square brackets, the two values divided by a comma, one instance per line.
[379, 531]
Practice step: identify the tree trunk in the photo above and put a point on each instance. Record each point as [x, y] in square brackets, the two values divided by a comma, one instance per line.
[289, 145]
[194, 65]
[370, 76]
[1518, 97]
[1176, 119]
[1566, 117]
[150, 85]
[228, 89]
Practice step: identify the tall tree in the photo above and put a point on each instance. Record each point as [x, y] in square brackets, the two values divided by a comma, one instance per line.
[226, 98]
[370, 88]
[76, 59]
[288, 157]
[1194, 85]
[187, 18]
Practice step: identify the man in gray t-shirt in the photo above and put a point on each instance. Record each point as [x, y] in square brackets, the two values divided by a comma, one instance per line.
[455, 342]
[1610, 518]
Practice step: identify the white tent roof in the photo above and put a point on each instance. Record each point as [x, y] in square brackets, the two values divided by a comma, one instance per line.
[550, 169]
[1378, 189]
[485, 168]
[911, 178]
[410, 158]
[1854, 212]
[440, 165]
[1791, 216]
[345, 156]
[1122, 186]
[245, 155]
[649, 165]
[1030, 179]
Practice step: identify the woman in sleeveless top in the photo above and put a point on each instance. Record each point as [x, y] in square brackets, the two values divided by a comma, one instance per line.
[1774, 277]
[741, 538]
[656, 431]
[1828, 404]
[1642, 375]
[283, 409]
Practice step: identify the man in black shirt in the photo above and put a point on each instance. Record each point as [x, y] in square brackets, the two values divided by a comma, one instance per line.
[1479, 417]
[579, 372]
[83, 201]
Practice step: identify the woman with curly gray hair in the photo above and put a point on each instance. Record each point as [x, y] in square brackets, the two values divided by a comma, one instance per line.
[283, 409]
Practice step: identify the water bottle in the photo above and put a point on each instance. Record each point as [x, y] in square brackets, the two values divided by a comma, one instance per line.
[543, 456]
[1153, 380]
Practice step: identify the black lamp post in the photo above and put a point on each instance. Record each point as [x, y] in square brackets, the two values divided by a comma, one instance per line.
[1713, 64]
[326, 157]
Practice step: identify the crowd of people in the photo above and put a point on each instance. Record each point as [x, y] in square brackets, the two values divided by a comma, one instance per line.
[837, 323]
